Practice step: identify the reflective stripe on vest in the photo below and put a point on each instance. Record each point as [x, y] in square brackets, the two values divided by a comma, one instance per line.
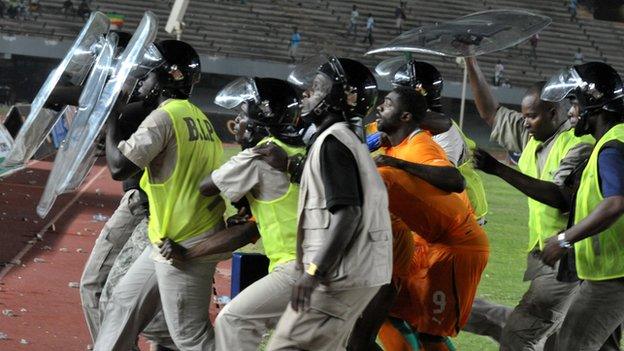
[601, 256]
[277, 219]
[177, 210]
[545, 221]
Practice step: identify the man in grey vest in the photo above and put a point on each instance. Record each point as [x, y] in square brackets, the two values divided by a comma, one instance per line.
[344, 233]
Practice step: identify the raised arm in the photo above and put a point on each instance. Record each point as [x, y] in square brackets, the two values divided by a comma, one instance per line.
[486, 102]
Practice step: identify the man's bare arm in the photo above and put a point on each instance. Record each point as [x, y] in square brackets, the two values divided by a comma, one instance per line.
[226, 240]
[445, 178]
[120, 166]
[486, 102]
[208, 187]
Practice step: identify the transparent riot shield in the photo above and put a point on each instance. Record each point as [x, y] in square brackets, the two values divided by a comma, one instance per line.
[472, 35]
[75, 156]
[6, 144]
[88, 98]
[74, 67]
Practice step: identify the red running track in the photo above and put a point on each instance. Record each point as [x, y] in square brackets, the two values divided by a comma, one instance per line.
[39, 258]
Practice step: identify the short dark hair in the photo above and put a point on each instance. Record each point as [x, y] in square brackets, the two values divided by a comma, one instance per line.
[412, 101]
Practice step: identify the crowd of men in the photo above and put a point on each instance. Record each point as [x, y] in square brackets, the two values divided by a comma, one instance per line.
[375, 234]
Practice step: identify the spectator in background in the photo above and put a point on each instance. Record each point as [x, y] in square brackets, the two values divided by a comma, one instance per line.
[2, 8]
[22, 11]
[295, 39]
[572, 9]
[13, 9]
[399, 15]
[83, 10]
[499, 69]
[534, 41]
[353, 22]
[370, 24]
[34, 7]
[68, 8]
[578, 57]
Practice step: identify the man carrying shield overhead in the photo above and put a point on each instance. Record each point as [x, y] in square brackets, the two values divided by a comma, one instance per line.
[550, 152]
[597, 310]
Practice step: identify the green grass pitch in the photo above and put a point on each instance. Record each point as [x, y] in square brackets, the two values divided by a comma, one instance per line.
[507, 230]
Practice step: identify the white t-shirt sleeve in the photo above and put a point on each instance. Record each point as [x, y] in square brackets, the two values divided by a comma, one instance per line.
[452, 143]
[238, 175]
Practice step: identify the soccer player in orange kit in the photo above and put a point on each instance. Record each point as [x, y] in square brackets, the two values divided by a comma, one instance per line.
[435, 285]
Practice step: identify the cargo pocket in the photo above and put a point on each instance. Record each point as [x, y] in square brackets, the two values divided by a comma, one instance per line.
[315, 221]
[321, 323]
[315, 215]
[380, 250]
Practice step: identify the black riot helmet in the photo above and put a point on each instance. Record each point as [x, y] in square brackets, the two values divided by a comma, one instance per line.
[420, 75]
[180, 69]
[271, 106]
[595, 86]
[339, 85]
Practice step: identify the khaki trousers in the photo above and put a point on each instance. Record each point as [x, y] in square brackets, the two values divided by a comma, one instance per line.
[109, 243]
[243, 322]
[182, 291]
[326, 325]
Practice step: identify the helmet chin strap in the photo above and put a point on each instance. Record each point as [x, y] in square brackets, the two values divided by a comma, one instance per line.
[582, 126]
[253, 134]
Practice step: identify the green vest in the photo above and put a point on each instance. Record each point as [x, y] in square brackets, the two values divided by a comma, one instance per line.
[545, 221]
[277, 219]
[601, 256]
[474, 184]
[177, 210]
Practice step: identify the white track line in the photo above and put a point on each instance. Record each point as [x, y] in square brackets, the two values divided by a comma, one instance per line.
[27, 248]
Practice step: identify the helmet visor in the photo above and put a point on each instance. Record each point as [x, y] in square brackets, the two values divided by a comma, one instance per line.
[472, 35]
[389, 67]
[316, 76]
[561, 84]
[151, 60]
[236, 92]
[304, 74]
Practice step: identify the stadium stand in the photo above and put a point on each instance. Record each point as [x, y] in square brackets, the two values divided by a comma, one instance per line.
[260, 30]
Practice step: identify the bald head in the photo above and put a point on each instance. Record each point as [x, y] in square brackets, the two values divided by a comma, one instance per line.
[541, 118]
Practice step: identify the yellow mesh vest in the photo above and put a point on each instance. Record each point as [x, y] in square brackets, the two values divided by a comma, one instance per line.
[474, 184]
[545, 221]
[601, 256]
[277, 218]
[177, 210]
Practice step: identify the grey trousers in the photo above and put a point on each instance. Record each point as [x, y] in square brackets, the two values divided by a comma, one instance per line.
[487, 319]
[243, 322]
[597, 311]
[109, 243]
[537, 316]
[326, 325]
[182, 291]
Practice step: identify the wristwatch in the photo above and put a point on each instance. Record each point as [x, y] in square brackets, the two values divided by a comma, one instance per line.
[563, 243]
[312, 269]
